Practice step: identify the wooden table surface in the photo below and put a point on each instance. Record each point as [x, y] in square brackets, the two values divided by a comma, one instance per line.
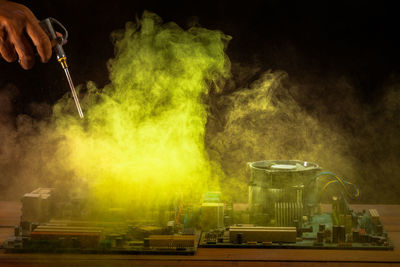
[390, 217]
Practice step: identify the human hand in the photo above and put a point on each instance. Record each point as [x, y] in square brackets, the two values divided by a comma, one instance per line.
[17, 24]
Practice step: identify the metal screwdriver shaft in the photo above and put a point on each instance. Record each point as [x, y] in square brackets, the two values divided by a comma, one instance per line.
[63, 62]
[74, 95]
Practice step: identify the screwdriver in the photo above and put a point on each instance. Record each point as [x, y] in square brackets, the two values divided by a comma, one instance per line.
[47, 25]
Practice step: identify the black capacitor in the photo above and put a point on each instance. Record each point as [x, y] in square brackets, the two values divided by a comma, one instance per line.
[342, 234]
[328, 235]
[335, 233]
[239, 238]
[356, 236]
[320, 237]
[364, 238]
[321, 227]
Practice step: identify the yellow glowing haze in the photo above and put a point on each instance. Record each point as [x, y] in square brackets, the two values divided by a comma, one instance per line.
[143, 136]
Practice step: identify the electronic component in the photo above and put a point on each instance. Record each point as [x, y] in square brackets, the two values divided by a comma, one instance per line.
[277, 192]
[36, 205]
[67, 237]
[284, 194]
[282, 212]
[172, 241]
[374, 215]
[262, 234]
[212, 216]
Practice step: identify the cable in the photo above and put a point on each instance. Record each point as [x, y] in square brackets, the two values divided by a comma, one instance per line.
[343, 183]
[328, 183]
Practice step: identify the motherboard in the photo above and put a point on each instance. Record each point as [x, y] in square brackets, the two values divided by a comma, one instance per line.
[284, 210]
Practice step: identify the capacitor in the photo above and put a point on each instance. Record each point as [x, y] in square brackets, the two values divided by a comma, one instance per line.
[342, 234]
[364, 238]
[328, 235]
[320, 237]
[239, 238]
[356, 235]
[335, 233]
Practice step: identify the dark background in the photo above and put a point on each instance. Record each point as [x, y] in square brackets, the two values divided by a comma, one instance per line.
[354, 38]
[315, 42]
